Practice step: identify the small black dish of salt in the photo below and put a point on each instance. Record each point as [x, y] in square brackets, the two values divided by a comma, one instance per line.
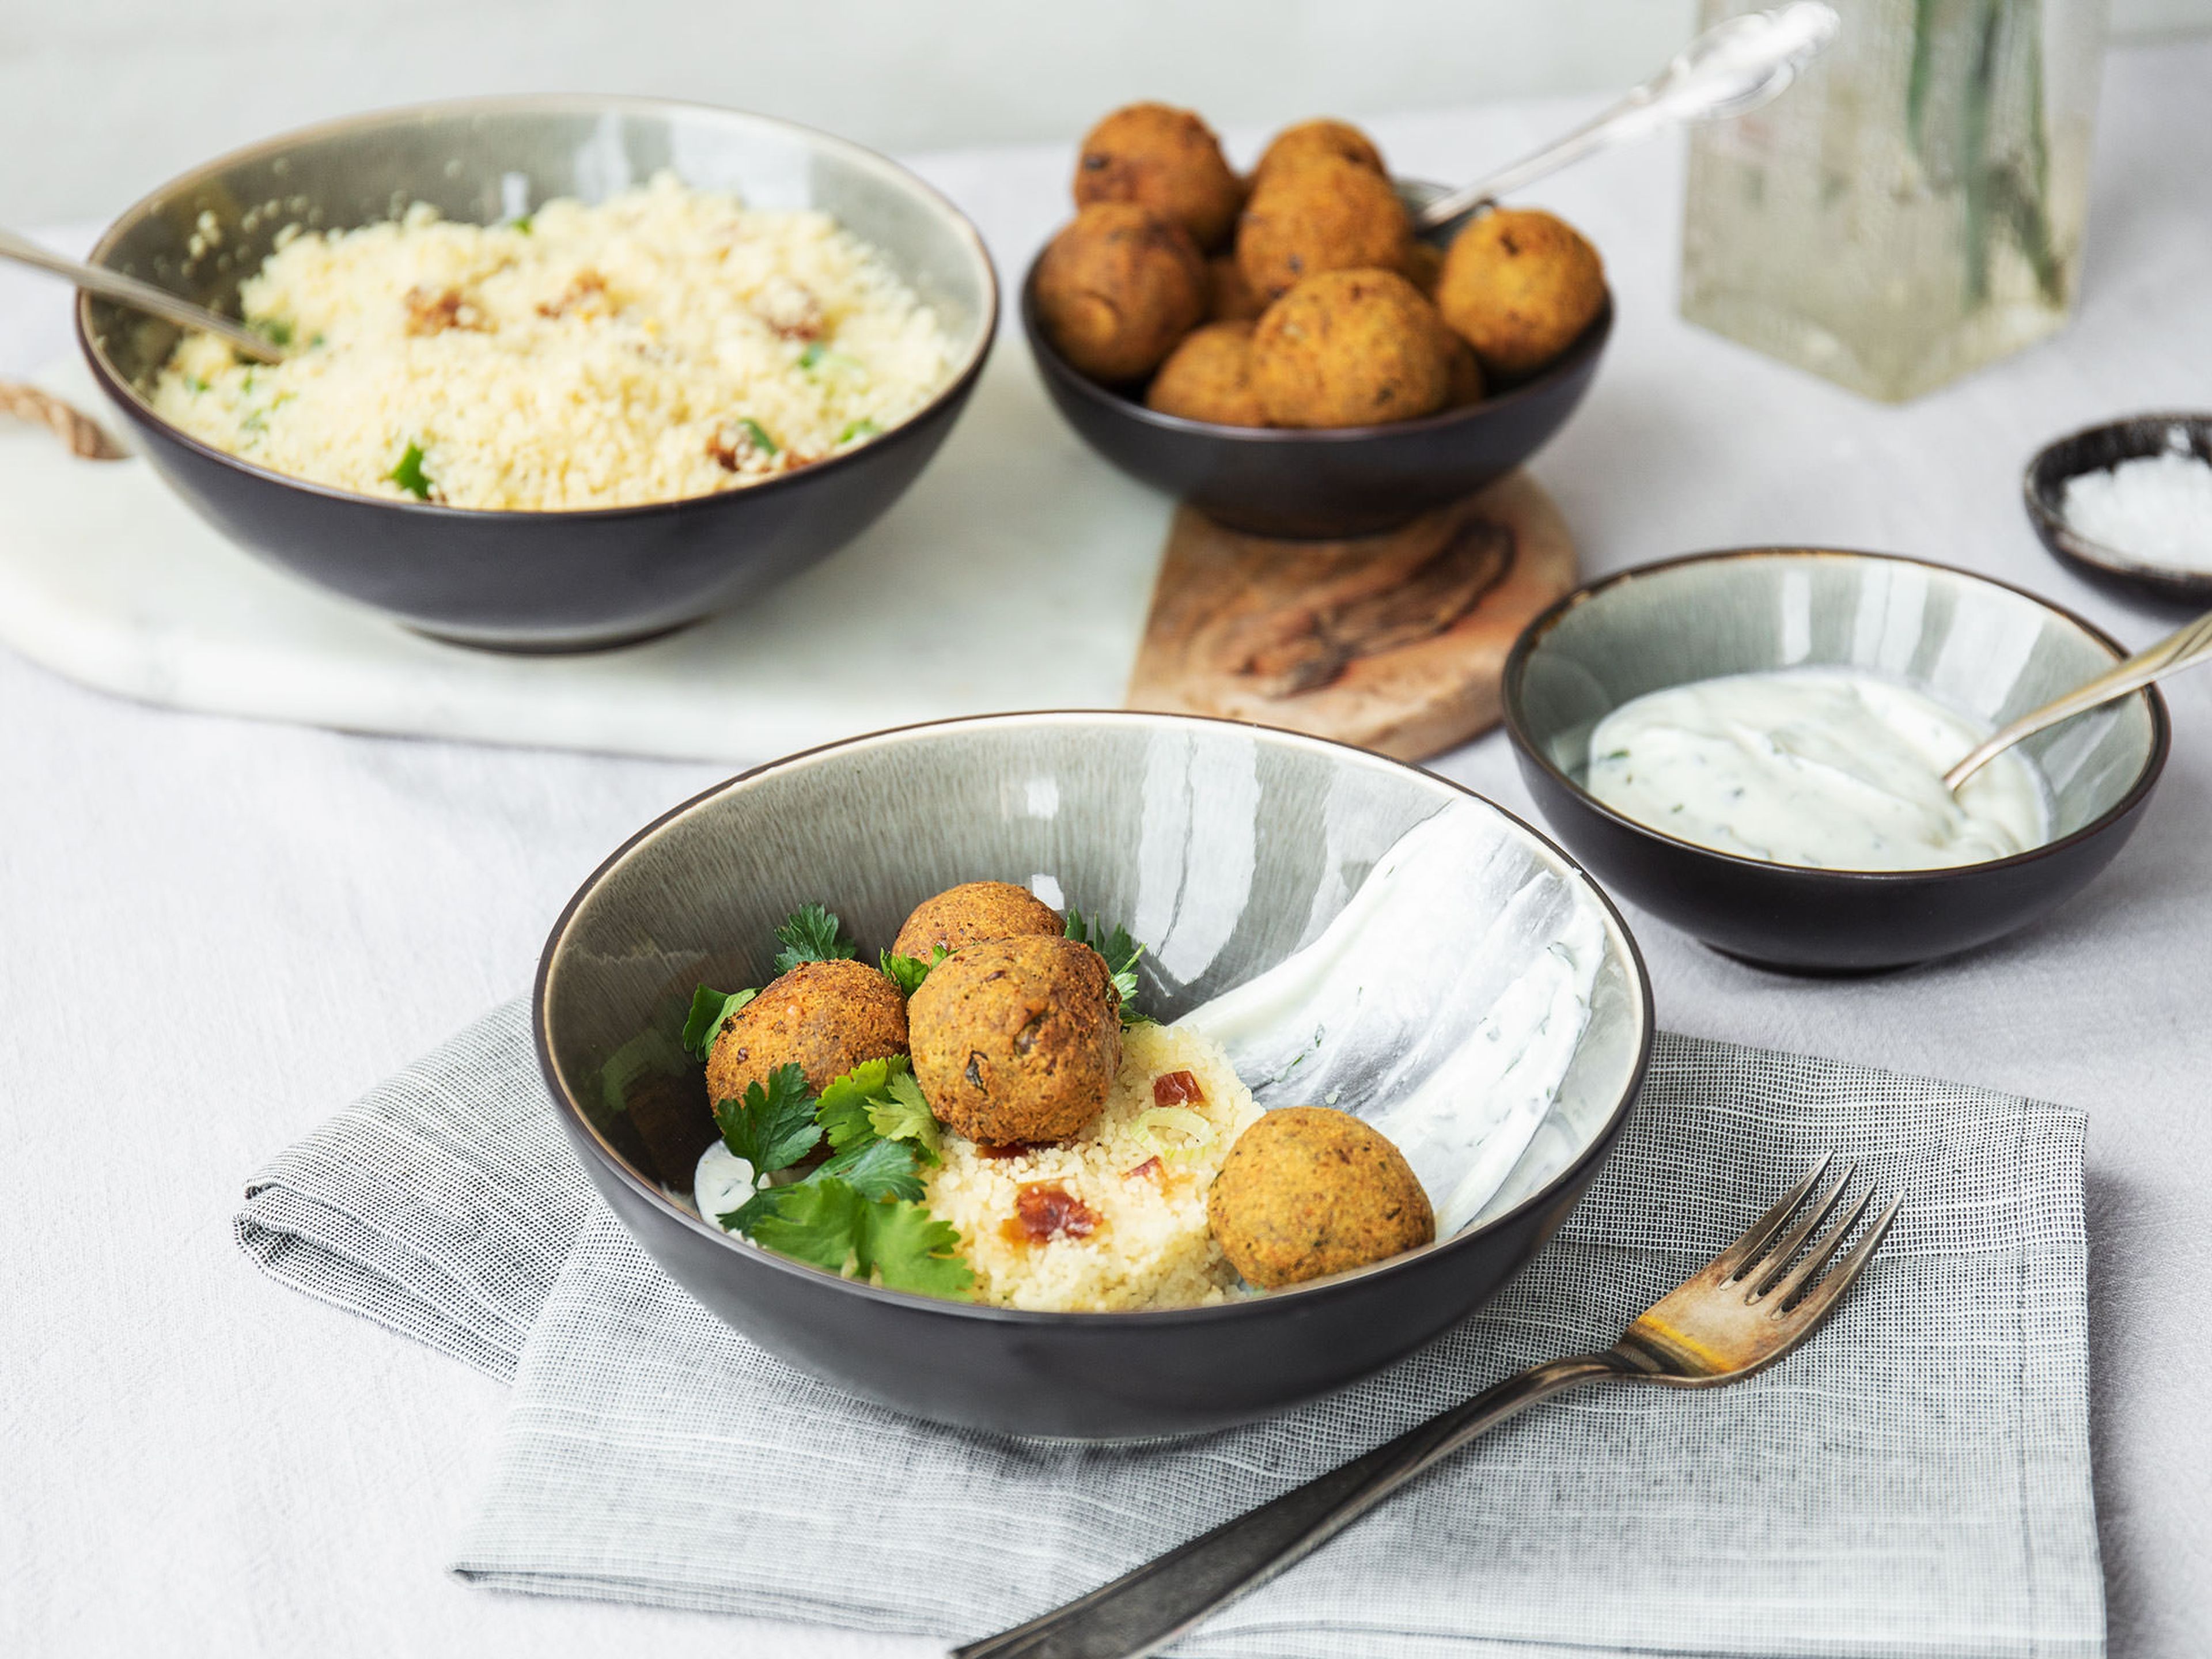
[2128, 505]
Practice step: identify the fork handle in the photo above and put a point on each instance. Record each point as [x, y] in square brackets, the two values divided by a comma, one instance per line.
[1143, 1610]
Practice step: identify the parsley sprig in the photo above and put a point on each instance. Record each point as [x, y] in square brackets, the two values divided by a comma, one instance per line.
[859, 1213]
[908, 972]
[710, 1011]
[1121, 952]
[812, 933]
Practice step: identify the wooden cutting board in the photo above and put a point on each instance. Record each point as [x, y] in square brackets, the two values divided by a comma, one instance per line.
[1393, 643]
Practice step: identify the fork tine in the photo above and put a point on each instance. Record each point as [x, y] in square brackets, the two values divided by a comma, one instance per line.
[1823, 1251]
[1779, 1263]
[1824, 1296]
[1746, 1250]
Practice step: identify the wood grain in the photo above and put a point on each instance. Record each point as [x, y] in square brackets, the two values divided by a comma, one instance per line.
[1393, 643]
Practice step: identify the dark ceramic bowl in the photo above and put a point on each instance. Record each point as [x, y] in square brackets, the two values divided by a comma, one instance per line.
[533, 581]
[1233, 845]
[1348, 480]
[1989, 650]
[2098, 449]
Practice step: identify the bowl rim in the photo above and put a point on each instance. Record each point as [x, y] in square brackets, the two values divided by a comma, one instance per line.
[1532, 639]
[1600, 1143]
[1581, 352]
[2172, 583]
[955, 387]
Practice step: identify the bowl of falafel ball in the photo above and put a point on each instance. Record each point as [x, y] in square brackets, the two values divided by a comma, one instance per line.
[1097, 1076]
[1284, 352]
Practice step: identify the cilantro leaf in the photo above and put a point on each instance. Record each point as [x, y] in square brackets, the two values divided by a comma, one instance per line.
[710, 1008]
[772, 1127]
[816, 1221]
[811, 933]
[856, 430]
[910, 1249]
[843, 1111]
[905, 1115]
[1121, 952]
[409, 474]
[277, 330]
[525, 224]
[908, 972]
[758, 433]
[874, 1169]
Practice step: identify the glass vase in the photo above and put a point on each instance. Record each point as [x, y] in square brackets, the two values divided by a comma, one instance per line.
[1912, 208]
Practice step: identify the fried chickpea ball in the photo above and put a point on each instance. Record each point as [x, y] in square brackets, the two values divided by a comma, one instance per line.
[1350, 348]
[1519, 286]
[1017, 1039]
[1229, 297]
[970, 913]
[1465, 384]
[1118, 288]
[1306, 1191]
[1165, 159]
[824, 1017]
[1209, 378]
[1326, 215]
[1425, 266]
[1295, 146]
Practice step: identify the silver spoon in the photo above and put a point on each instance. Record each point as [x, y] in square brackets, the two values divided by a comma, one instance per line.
[1731, 68]
[141, 296]
[2184, 649]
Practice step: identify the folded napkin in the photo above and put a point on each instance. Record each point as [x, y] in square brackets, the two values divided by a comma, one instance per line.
[1916, 1480]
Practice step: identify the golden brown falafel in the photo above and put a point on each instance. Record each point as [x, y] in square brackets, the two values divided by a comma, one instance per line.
[1327, 214]
[1295, 146]
[1520, 286]
[1229, 297]
[970, 913]
[1350, 348]
[824, 1017]
[1165, 159]
[1118, 288]
[1466, 385]
[1306, 1191]
[1017, 1039]
[1425, 266]
[1209, 378]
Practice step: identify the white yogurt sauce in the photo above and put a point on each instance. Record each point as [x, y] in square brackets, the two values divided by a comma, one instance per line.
[1826, 768]
[722, 1182]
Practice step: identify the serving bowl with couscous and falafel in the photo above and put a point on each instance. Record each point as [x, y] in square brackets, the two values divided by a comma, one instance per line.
[1285, 351]
[1090, 1075]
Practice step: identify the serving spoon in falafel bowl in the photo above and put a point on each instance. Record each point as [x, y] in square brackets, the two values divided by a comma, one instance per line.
[1732, 69]
[142, 296]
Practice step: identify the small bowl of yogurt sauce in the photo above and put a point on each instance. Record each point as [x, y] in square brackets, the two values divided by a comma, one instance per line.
[2129, 505]
[1750, 744]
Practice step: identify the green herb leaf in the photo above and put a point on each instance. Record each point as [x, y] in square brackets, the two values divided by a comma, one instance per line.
[910, 1249]
[710, 1008]
[811, 933]
[842, 1110]
[773, 1127]
[275, 330]
[816, 1221]
[523, 224]
[814, 353]
[908, 972]
[855, 430]
[875, 1169]
[409, 474]
[905, 1115]
[193, 383]
[1121, 952]
[758, 433]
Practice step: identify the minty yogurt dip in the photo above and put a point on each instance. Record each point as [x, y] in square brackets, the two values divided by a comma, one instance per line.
[1826, 768]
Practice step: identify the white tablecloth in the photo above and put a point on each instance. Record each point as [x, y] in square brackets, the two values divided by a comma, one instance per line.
[213, 933]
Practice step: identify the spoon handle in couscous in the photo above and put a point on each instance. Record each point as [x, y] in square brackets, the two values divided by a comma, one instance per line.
[140, 296]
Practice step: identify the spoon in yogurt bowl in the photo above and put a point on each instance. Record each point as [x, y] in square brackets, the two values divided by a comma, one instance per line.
[2185, 647]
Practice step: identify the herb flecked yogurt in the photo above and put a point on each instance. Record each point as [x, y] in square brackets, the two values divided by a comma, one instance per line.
[1826, 768]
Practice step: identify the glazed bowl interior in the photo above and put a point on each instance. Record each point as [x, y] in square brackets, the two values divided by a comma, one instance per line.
[1225, 848]
[1986, 650]
[490, 160]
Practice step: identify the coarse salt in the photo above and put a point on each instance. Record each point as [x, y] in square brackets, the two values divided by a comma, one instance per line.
[2154, 508]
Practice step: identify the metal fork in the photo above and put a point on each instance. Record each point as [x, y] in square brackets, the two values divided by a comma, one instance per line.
[1736, 1316]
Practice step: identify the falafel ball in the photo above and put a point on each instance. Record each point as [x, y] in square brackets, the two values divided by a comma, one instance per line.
[1165, 159]
[1209, 378]
[1017, 1039]
[1520, 286]
[1425, 266]
[1229, 297]
[1351, 347]
[1295, 146]
[970, 913]
[1466, 385]
[1307, 1191]
[824, 1017]
[1118, 288]
[1327, 214]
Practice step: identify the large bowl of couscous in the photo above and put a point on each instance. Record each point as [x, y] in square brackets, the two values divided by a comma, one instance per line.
[565, 372]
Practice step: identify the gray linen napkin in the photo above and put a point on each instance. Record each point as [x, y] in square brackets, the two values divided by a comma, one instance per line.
[1916, 1480]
